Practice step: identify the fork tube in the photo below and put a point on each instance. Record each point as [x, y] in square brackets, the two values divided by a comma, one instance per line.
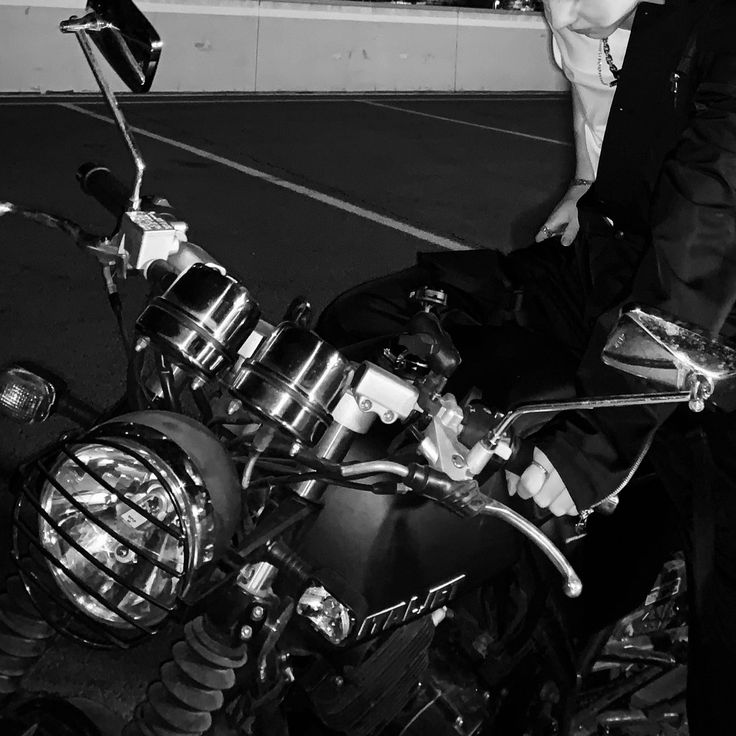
[333, 445]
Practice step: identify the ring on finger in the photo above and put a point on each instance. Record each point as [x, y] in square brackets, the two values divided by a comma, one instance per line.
[548, 232]
[544, 470]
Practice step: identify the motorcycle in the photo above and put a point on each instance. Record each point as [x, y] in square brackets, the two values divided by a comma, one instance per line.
[332, 533]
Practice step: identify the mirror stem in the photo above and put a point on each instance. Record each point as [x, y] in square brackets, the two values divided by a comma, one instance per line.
[120, 121]
[584, 404]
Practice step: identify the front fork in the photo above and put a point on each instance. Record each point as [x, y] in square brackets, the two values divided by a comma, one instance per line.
[205, 663]
[24, 636]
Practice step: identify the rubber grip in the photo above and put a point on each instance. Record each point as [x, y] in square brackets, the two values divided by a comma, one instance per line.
[99, 182]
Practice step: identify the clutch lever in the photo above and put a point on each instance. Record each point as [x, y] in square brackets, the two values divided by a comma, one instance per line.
[76, 232]
[105, 251]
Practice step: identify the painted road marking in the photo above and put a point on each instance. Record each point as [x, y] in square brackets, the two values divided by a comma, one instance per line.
[340, 204]
[467, 122]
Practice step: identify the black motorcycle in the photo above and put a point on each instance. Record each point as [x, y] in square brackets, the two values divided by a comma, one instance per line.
[332, 534]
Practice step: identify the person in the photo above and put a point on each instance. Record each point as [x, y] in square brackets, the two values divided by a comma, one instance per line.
[591, 66]
[657, 226]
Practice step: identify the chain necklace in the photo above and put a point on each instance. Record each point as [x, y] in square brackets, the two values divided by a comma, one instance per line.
[604, 50]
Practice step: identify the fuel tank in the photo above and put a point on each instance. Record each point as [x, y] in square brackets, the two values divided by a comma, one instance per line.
[404, 556]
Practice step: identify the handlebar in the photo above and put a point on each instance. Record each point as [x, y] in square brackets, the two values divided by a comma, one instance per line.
[99, 182]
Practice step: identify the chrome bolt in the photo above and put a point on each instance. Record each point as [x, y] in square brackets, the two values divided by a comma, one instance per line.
[365, 404]
[197, 383]
[458, 461]
[122, 552]
[338, 681]
[459, 722]
[289, 674]
[246, 632]
[257, 613]
[388, 417]
[234, 407]
[141, 344]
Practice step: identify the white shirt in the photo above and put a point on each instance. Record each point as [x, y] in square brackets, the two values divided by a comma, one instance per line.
[578, 56]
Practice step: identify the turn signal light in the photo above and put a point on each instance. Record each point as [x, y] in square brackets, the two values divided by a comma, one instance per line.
[25, 397]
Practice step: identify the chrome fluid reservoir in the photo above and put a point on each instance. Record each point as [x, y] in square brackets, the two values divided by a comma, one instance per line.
[201, 320]
[293, 379]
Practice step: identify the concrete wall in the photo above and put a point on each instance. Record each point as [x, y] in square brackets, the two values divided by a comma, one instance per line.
[268, 46]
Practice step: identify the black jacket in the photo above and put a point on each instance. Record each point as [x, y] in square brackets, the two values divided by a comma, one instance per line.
[667, 176]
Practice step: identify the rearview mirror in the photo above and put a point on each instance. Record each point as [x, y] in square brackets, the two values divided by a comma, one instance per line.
[653, 345]
[124, 37]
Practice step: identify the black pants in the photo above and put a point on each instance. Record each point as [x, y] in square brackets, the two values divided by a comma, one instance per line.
[522, 322]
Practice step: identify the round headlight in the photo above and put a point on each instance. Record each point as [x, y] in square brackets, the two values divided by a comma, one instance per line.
[130, 516]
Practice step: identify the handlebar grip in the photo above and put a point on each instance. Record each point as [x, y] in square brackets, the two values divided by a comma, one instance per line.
[99, 182]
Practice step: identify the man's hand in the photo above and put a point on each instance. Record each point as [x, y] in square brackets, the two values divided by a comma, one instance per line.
[543, 483]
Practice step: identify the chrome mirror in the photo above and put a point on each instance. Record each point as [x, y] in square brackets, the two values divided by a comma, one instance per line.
[124, 37]
[653, 345]
[132, 47]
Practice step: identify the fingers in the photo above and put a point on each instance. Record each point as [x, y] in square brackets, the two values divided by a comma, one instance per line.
[544, 484]
[532, 480]
[551, 489]
[563, 505]
[547, 231]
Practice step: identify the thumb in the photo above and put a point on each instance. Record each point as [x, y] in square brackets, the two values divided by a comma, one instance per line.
[570, 233]
[512, 480]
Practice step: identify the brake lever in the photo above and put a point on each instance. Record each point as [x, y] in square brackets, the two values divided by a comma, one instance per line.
[464, 497]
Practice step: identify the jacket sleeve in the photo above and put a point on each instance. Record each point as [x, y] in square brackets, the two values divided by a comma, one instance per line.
[689, 271]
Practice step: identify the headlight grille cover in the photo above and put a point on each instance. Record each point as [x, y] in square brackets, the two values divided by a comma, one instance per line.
[109, 530]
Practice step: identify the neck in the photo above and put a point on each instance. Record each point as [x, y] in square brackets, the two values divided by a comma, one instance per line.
[628, 21]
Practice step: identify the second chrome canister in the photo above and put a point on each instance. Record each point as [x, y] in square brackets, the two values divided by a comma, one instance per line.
[293, 379]
[201, 320]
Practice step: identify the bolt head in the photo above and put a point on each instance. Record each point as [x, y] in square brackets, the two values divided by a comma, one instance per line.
[257, 613]
[388, 417]
[246, 633]
[141, 344]
[365, 404]
[458, 461]
[338, 681]
[234, 407]
[197, 383]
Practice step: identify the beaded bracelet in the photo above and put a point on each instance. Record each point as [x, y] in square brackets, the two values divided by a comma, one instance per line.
[578, 182]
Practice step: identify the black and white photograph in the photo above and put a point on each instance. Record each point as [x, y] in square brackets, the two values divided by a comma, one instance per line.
[367, 368]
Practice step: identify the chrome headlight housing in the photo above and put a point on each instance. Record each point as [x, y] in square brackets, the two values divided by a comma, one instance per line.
[121, 524]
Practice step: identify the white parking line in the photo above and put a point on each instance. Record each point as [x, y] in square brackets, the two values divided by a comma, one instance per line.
[340, 204]
[467, 123]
